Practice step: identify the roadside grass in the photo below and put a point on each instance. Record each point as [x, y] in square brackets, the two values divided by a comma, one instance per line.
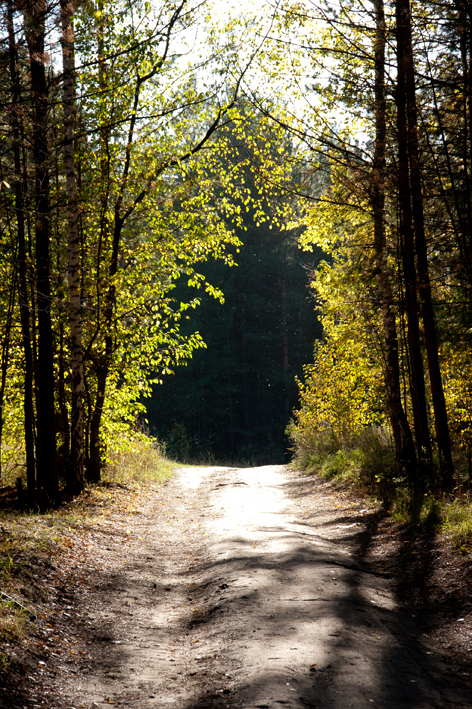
[457, 523]
[366, 465]
[26, 541]
[143, 463]
[450, 517]
[31, 542]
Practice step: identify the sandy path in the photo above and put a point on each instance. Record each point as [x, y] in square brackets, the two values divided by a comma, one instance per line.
[235, 596]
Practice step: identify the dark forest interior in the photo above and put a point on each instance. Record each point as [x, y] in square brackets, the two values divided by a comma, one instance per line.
[233, 400]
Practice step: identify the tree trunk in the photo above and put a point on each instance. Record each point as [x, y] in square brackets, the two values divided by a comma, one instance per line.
[5, 356]
[285, 361]
[404, 445]
[95, 459]
[76, 462]
[424, 285]
[418, 392]
[465, 30]
[22, 272]
[94, 462]
[35, 15]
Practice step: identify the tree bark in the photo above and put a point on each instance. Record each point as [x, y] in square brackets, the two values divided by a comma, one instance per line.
[35, 16]
[94, 463]
[95, 459]
[418, 391]
[76, 462]
[285, 361]
[22, 271]
[424, 284]
[404, 446]
[465, 32]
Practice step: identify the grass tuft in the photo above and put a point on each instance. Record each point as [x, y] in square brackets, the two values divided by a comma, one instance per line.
[366, 464]
[457, 523]
[13, 620]
[143, 463]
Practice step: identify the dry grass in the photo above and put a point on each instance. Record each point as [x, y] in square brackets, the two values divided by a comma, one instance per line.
[368, 468]
[144, 463]
[22, 539]
[29, 542]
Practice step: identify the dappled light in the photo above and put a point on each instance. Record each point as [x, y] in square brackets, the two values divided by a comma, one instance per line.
[235, 354]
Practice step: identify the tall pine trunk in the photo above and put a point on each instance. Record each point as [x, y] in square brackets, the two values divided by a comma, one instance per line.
[404, 445]
[404, 39]
[465, 30]
[285, 360]
[28, 413]
[417, 383]
[35, 20]
[76, 462]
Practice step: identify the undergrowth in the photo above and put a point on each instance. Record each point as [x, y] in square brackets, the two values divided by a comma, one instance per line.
[366, 464]
[25, 540]
[143, 463]
[457, 523]
[450, 517]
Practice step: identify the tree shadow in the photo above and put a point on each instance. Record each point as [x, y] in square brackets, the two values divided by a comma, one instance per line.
[365, 651]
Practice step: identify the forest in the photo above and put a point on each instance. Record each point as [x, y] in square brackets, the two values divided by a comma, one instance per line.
[236, 238]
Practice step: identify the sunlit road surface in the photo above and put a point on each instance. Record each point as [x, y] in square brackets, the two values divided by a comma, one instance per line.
[305, 625]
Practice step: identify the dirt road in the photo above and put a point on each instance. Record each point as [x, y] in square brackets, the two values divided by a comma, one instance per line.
[232, 588]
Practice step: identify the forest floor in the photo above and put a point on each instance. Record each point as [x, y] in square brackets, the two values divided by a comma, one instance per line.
[226, 587]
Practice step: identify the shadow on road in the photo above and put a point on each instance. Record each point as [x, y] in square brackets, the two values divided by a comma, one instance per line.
[286, 617]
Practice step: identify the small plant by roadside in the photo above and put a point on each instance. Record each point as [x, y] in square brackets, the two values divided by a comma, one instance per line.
[143, 463]
[25, 542]
[457, 522]
[366, 464]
